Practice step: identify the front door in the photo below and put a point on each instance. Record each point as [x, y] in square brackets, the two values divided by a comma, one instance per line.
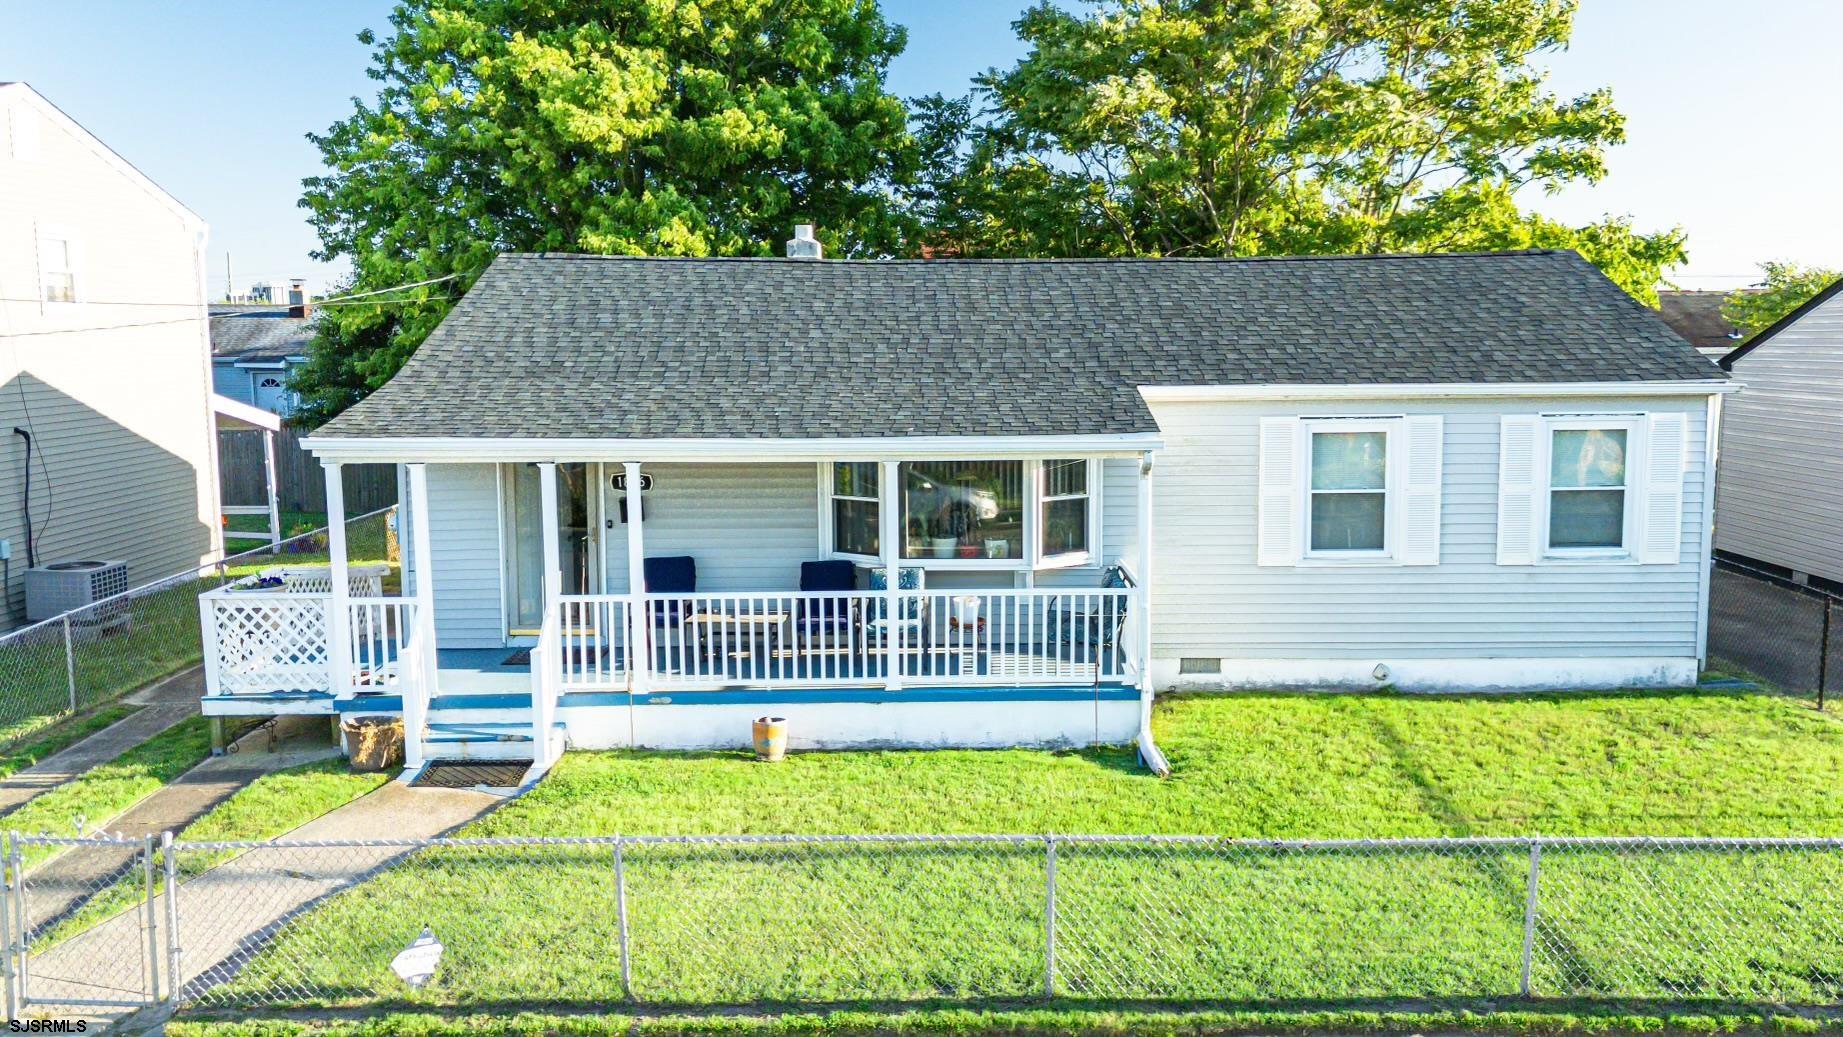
[578, 539]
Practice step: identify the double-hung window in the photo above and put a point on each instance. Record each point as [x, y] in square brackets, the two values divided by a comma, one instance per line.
[1066, 517]
[57, 265]
[1588, 491]
[855, 504]
[1347, 493]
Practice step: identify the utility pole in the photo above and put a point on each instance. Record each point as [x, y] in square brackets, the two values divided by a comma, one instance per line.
[230, 294]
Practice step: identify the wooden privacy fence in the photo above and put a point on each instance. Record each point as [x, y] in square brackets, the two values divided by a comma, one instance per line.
[300, 485]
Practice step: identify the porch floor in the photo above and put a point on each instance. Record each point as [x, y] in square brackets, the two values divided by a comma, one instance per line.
[481, 671]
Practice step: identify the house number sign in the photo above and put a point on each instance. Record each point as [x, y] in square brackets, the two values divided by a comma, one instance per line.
[646, 482]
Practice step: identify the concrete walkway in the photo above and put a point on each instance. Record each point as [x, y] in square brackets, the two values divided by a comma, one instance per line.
[163, 705]
[228, 912]
[61, 884]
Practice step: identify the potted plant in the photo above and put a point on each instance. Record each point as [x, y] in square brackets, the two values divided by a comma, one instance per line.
[949, 524]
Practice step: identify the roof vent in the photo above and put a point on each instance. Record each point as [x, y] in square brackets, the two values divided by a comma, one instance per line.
[804, 245]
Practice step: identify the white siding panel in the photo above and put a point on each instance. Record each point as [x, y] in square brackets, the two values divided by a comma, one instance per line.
[1781, 471]
[464, 539]
[748, 526]
[1213, 600]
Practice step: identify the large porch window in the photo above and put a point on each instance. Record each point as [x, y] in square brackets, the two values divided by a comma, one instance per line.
[962, 509]
[997, 514]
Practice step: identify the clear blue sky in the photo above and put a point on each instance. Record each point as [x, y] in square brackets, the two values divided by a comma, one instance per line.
[1735, 126]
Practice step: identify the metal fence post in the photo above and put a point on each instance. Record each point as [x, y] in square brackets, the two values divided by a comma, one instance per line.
[70, 665]
[151, 916]
[173, 979]
[7, 972]
[22, 942]
[1049, 917]
[1823, 654]
[620, 907]
[1529, 913]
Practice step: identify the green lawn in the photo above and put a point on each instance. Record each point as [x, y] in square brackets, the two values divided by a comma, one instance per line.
[106, 790]
[294, 523]
[747, 923]
[267, 808]
[49, 734]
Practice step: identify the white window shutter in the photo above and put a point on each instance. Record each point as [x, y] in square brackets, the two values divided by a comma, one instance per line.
[1519, 487]
[1660, 532]
[1278, 532]
[1420, 511]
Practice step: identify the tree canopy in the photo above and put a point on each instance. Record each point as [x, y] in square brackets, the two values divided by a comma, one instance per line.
[1129, 128]
[1785, 288]
[1205, 128]
[639, 127]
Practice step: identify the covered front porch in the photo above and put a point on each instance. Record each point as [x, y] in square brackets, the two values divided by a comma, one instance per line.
[966, 597]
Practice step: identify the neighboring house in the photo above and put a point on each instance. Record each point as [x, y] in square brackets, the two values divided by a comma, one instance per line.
[254, 350]
[1780, 496]
[1697, 317]
[108, 451]
[1084, 479]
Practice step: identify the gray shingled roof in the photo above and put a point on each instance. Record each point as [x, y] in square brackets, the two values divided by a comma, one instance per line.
[259, 334]
[588, 346]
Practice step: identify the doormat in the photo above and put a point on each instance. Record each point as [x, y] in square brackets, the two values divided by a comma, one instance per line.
[465, 774]
[577, 656]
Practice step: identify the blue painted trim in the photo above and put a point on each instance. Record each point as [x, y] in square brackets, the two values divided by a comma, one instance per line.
[496, 700]
[370, 704]
[794, 696]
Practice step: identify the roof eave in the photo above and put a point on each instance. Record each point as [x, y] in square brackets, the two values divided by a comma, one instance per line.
[487, 449]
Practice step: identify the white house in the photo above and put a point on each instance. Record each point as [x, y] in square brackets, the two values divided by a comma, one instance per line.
[961, 502]
[1780, 499]
[106, 443]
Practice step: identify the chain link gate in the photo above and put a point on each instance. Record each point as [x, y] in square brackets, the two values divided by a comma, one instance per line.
[82, 923]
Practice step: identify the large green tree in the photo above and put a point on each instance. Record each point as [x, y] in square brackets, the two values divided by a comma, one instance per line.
[1784, 288]
[644, 127]
[1246, 127]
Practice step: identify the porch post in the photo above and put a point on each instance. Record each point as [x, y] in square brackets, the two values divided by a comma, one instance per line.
[268, 469]
[1144, 572]
[547, 521]
[889, 537]
[416, 700]
[338, 619]
[639, 646]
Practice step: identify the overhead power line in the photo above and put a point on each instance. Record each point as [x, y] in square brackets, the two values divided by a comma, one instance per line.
[356, 299]
[336, 300]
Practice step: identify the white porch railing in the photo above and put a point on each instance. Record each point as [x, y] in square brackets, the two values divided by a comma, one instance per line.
[270, 642]
[822, 638]
[546, 677]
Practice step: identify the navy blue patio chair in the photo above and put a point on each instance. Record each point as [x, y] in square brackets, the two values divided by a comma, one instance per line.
[820, 616]
[673, 574]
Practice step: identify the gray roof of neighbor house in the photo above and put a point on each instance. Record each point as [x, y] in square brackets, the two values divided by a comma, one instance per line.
[258, 333]
[1696, 315]
[609, 347]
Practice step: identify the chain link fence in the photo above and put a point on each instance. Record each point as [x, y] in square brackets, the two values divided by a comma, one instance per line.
[89, 656]
[1763, 623]
[714, 921]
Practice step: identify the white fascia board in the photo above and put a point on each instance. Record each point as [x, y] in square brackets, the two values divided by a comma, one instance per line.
[457, 449]
[224, 406]
[1429, 390]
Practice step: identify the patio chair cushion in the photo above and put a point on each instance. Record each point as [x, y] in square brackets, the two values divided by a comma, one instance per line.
[673, 574]
[833, 575]
[907, 579]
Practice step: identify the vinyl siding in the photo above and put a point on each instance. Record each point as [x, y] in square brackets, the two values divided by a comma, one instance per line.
[749, 526]
[1780, 488]
[1212, 600]
[120, 417]
[464, 539]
